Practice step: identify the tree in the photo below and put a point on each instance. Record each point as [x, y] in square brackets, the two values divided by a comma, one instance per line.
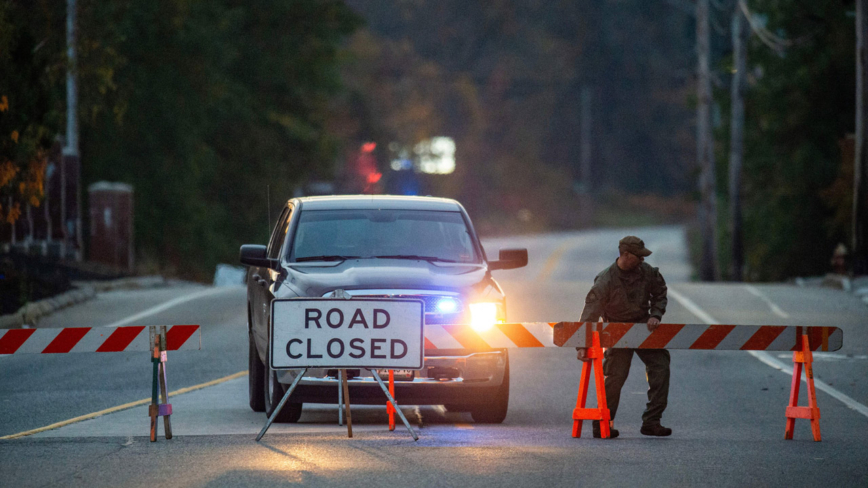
[29, 118]
[798, 109]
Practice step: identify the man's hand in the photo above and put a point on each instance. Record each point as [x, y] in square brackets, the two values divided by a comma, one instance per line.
[653, 323]
[582, 354]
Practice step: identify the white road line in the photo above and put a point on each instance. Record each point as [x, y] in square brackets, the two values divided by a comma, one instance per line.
[768, 359]
[170, 304]
[776, 309]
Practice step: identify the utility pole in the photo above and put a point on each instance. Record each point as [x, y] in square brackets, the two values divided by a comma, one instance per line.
[736, 141]
[586, 202]
[860, 168]
[70, 175]
[708, 270]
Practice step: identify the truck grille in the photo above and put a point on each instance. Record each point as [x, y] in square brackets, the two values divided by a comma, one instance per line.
[432, 315]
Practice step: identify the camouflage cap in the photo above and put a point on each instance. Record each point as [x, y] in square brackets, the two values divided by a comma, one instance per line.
[633, 245]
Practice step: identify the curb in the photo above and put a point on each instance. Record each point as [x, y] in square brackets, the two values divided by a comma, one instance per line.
[857, 286]
[29, 314]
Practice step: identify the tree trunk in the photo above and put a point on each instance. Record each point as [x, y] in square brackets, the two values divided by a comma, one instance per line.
[705, 150]
[736, 144]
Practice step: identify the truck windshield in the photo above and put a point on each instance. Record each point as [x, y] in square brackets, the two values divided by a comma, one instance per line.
[386, 234]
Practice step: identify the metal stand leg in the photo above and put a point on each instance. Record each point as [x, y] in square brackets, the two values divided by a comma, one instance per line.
[340, 397]
[159, 384]
[164, 388]
[346, 388]
[281, 404]
[394, 404]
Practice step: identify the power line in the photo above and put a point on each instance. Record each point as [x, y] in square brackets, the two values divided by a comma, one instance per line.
[774, 42]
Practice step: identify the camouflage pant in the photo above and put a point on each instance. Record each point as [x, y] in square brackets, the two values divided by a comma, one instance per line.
[616, 367]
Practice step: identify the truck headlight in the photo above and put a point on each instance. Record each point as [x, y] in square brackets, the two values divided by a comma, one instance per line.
[483, 316]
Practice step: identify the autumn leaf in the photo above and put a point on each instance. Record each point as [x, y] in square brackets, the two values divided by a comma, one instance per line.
[7, 173]
[15, 136]
[4, 103]
[14, 213]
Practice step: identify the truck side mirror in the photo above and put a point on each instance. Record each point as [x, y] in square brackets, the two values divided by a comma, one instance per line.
[509, 259]
[255, 255]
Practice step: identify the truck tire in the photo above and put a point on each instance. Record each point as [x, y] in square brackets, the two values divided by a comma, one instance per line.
[273, 392]
[255, 377]
[494, 412]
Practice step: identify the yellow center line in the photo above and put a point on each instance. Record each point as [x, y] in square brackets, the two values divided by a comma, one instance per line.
[463, 426]
[552, 261]
[125, 406]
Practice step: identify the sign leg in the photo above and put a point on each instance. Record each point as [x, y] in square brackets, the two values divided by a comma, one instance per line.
[281, 404]
[346, 387]
[394, 404]
[340, 397]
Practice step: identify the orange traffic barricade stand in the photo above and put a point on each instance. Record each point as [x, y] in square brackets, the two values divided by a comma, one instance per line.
[601, 413]
[390, 409]
[811, 412]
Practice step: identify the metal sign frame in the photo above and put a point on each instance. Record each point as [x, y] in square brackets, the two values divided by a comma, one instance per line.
[355, 301]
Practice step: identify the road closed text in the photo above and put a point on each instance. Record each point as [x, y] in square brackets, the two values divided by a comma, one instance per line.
[350, 333]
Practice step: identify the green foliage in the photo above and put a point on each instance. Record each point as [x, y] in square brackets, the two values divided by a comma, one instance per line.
[799, 106]
[200, 106]
[29, 116]
[503, 79]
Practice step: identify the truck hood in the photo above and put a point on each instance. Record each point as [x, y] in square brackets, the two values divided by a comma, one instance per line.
[316, 279]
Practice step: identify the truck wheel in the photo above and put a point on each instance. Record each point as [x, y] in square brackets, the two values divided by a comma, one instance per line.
[273, 389]
[494, 411]
[255, 377]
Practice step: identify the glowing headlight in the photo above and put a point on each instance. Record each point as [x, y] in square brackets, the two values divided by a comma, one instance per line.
[483, 316]
[447, 305]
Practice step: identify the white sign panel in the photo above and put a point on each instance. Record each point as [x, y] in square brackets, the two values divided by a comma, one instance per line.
[339, 333]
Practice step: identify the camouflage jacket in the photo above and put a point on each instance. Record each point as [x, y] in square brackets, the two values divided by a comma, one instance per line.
[626, 296]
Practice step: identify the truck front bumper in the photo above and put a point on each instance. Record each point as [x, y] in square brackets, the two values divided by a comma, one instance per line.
[462, 379]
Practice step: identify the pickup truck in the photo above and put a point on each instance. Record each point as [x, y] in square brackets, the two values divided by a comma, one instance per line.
[382, 246]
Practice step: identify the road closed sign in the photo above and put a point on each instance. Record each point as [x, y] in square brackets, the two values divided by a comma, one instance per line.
[338, 333]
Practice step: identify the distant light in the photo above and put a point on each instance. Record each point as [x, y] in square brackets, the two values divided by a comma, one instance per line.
[436, 155]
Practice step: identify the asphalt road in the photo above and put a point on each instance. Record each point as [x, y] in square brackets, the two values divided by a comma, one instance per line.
[726, 408]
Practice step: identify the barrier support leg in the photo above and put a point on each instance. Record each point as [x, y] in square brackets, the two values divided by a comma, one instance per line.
[812, 411]
[601, 413]
[390, 409]
[158, 384]
[281, 404]
[164, 387]
[392, 400]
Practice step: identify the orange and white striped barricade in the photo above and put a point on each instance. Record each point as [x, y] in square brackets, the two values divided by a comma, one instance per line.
[802, 340]
[112, 339]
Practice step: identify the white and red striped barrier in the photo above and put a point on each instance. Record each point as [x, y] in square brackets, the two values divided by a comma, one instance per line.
[629, 335]
[94, 339]
[461, 336]
[698, 336]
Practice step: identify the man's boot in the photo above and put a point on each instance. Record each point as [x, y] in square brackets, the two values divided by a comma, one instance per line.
[656, 430]
[595, 428]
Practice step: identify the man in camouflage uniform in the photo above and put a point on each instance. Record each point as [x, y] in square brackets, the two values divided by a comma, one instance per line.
[631, 290]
